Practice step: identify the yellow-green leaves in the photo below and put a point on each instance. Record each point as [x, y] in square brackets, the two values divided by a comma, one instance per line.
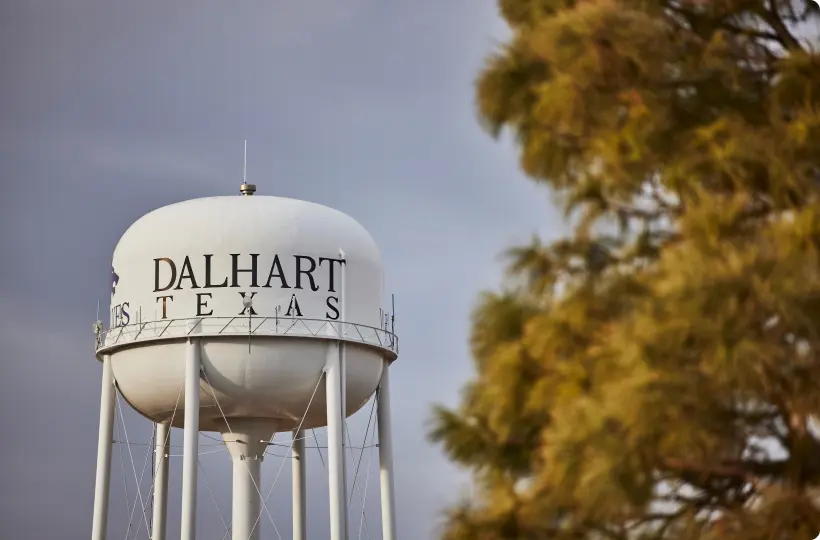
[653, 375]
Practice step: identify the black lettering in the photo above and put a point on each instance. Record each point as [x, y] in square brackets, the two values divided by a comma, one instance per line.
[164, 304]
[236, 270]
[276, 272]
[117, 316]
[200, 304]
[331, 273]
[333, 307]
[156, 274]
[299, 272]
[115, 278]
[294, 304]
[208, 284]
[253, 311]
[126, 317]
[186, 273]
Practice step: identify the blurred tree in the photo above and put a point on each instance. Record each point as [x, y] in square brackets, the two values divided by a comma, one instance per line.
[656, 375]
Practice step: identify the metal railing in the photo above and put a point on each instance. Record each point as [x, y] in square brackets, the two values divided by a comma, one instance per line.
[245, 326]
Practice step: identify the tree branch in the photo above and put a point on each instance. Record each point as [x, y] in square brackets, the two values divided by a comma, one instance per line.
[747, 471]
[773, 19]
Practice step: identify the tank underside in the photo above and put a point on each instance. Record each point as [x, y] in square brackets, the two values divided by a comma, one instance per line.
[274, 380]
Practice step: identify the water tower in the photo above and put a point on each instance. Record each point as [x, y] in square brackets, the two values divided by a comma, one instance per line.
[246, 315]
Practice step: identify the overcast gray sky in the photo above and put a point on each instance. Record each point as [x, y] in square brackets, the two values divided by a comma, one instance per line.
[111, 109]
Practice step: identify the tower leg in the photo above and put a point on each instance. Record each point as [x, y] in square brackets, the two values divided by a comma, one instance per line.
[162, 446]
[343, 382]
[247, 440]
[345, 434]
[386, 457]
[104, 447]
[247, 473]
[190, 448]
[335, 444]
[299, 487]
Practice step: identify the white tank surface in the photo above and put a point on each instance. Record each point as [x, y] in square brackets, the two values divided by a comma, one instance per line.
[268, 286]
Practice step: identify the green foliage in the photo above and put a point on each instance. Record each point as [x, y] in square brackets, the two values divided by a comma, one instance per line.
[657, 374]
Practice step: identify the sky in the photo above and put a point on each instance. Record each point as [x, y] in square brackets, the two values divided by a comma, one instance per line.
[109, 110]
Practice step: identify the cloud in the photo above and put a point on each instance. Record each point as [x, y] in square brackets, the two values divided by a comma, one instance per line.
[110, 111]
[113, 156]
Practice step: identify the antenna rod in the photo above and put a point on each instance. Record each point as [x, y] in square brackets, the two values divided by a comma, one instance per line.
[393, 314]
[246, 188]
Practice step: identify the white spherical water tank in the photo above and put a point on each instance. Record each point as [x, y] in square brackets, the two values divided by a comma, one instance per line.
[193, 262]
[266, 289]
